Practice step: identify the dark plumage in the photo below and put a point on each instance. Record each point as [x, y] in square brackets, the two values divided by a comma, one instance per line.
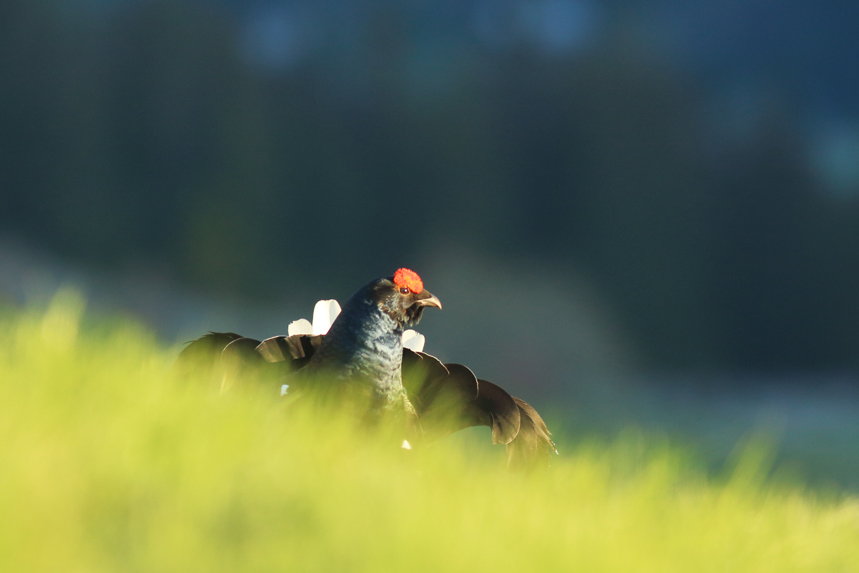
[362, 356]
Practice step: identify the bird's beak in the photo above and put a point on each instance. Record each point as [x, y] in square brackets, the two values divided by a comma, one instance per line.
[428, 299]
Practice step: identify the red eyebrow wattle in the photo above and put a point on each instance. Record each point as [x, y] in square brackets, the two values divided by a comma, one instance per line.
[409, 279]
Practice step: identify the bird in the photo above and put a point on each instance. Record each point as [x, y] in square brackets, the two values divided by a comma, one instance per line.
[361, 362]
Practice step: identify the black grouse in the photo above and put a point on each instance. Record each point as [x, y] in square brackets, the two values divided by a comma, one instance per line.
[362, 361]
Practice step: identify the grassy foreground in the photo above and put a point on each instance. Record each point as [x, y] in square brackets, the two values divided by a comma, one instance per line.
[109, 464]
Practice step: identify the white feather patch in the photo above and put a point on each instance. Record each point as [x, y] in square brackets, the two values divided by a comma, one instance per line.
[324, 314]
[300, 326]
[413, 340]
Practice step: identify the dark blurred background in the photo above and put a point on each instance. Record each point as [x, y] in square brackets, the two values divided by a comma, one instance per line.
[621, 202]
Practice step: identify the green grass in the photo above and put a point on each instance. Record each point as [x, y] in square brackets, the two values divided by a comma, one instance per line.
[107, 463]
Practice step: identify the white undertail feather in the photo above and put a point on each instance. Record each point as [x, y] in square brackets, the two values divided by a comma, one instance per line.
[324, 314]
[300, 326]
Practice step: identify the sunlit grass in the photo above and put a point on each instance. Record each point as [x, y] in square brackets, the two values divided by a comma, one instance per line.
[108, 463]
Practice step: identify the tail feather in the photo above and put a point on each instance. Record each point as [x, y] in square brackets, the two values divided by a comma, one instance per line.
[296, 349]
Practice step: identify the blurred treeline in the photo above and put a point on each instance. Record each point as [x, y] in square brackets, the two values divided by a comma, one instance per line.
[141, 135]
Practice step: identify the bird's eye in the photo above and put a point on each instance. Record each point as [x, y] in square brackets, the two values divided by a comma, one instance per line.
[404, 290]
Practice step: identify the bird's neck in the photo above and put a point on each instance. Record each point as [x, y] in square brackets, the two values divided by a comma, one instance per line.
[366, 344]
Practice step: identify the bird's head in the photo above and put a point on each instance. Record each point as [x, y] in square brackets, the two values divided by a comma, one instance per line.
[403, 297]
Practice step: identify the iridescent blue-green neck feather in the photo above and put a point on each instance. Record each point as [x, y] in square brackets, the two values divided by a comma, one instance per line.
[364, 344]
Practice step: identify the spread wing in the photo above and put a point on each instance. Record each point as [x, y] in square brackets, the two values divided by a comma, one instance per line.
[228, 360]
[533, 446]
[448, 398]
[200, 359]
